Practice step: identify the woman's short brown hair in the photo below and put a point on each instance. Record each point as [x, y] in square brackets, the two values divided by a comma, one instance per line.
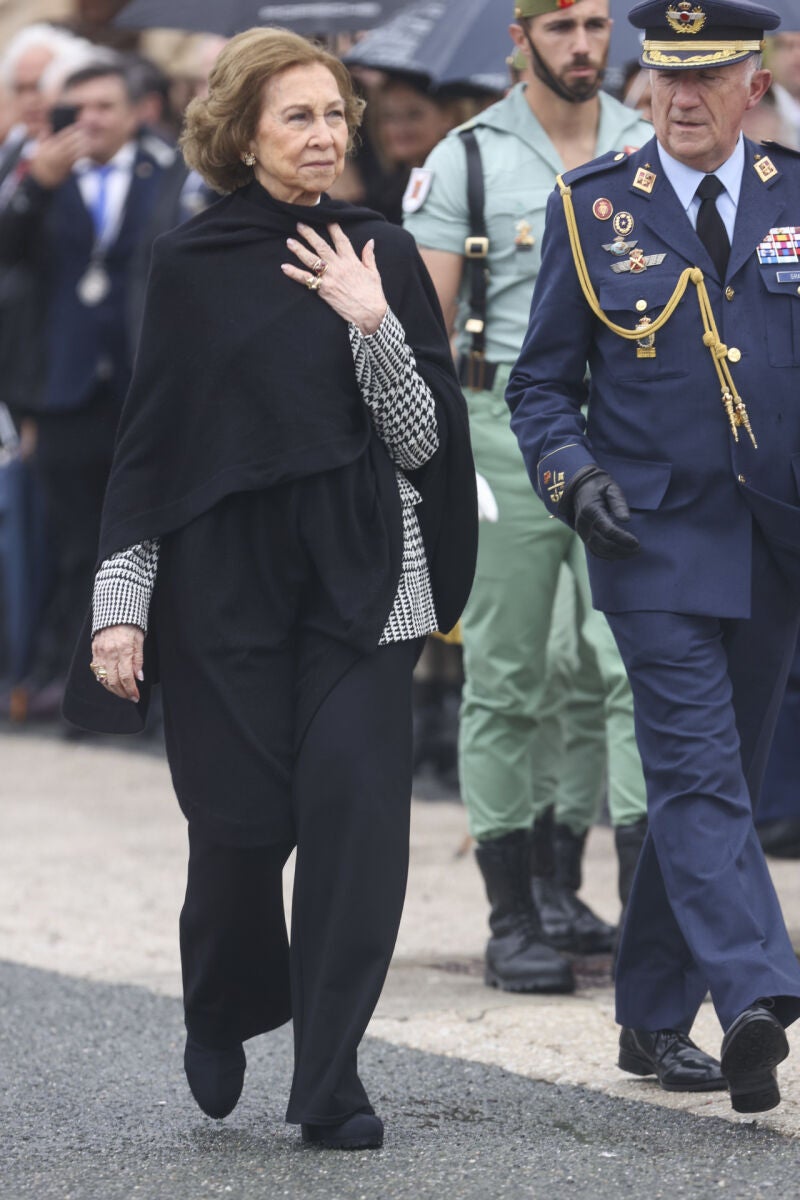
[220, 126]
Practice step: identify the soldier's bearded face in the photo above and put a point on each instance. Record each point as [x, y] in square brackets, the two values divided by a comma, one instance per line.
[573, 43]
[698, 113]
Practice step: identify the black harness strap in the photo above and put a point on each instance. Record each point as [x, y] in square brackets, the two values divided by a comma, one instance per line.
[476, 249]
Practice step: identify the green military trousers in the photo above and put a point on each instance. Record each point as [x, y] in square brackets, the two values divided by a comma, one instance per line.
[547, 712]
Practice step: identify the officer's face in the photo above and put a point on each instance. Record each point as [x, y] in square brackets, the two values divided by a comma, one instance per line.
[573, 42]
[698, 114]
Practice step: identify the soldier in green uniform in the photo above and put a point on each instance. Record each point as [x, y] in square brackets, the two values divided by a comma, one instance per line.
[555, 120]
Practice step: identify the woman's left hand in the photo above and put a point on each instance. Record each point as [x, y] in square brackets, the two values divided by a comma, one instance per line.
[349, 284]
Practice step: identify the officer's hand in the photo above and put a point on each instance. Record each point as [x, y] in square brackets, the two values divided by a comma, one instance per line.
[594, 504]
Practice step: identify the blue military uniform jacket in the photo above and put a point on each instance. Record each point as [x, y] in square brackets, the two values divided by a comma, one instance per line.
[657, 423]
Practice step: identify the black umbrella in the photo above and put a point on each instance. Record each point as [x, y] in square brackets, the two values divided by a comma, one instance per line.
[228, 17]
[443, 41]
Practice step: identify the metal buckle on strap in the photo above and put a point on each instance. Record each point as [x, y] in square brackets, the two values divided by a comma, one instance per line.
[476, 247]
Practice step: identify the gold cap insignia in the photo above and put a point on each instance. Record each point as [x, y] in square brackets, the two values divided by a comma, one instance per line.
[683, 18]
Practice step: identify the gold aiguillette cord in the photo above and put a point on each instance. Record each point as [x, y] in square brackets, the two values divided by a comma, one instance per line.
[732, 402]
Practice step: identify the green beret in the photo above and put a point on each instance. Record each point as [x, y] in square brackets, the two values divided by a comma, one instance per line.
[535, 8]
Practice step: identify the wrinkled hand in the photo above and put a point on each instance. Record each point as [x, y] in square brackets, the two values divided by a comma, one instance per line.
[594, 504]
[57, 154]
[487, 505]
[120, 649]
[349, 284]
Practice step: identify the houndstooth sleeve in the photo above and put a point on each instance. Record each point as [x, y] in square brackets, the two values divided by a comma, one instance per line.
[123, 587]
[400, 402]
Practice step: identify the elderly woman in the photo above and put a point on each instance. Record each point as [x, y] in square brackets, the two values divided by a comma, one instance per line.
[290, 511]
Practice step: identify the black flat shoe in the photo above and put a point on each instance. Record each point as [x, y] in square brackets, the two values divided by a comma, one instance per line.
[215, 1077]
[751, 1050]
[362, 1131]
[672, 1057]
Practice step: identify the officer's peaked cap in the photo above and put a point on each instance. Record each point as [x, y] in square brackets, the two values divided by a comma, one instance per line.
[684, 34]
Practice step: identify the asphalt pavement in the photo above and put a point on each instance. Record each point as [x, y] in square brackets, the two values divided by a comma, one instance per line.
[485, 1095]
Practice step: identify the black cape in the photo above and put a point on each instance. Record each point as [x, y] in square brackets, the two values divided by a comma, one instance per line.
[244, 379]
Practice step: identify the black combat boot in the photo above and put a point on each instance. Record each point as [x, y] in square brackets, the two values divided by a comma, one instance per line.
[556, 921]
[591, 935]
[628, 840]
[518, 959]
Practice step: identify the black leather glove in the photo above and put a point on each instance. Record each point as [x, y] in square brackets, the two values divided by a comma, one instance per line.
[593, 503]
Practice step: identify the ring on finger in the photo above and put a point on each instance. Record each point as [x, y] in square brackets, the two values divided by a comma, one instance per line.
[313, 283]
[319, 268]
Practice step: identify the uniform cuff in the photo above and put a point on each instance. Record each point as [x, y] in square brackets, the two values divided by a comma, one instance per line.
[556, 469]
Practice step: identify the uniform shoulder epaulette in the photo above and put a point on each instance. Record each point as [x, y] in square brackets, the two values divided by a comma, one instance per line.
[779, 148]
[606, 162]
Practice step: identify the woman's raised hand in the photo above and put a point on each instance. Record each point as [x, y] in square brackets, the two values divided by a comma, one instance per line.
[349, 284]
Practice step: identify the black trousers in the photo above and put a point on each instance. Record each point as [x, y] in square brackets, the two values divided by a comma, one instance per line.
[351, 800]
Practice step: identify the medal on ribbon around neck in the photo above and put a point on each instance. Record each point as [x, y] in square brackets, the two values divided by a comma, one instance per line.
[94, 285]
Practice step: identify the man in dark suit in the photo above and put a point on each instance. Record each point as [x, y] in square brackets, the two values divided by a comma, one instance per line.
[75, 223]
[674, 273]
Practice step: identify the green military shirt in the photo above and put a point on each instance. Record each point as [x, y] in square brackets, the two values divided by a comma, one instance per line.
[520, 165]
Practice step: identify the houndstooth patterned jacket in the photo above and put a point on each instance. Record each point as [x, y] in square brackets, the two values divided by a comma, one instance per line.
[403, 413]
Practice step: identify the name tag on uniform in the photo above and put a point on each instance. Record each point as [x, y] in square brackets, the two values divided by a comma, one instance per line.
[787, 276]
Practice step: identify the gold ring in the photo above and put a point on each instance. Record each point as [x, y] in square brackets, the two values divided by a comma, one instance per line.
[313, 283]
[100, 674]
[319, 267]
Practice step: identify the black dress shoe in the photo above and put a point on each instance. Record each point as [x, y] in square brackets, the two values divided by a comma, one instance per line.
[362, 1131]
[751, 1050]
[215, 1076]
[672, 1057]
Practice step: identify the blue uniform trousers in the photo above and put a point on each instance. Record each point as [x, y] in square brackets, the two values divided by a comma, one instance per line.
[703, 914]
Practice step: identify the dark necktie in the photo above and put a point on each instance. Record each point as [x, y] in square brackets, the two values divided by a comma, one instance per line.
[710, 226]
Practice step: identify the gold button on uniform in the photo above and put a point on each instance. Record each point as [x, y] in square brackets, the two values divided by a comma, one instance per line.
[619, 156]
[734, 354]
[742, 479]
[730, 293]
[641, 305]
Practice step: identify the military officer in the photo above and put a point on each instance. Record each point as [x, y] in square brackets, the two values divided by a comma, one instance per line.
[675, 273]
[557, 118]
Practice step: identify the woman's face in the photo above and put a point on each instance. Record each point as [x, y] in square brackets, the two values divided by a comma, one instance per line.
[410, 124]
[301, 138]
